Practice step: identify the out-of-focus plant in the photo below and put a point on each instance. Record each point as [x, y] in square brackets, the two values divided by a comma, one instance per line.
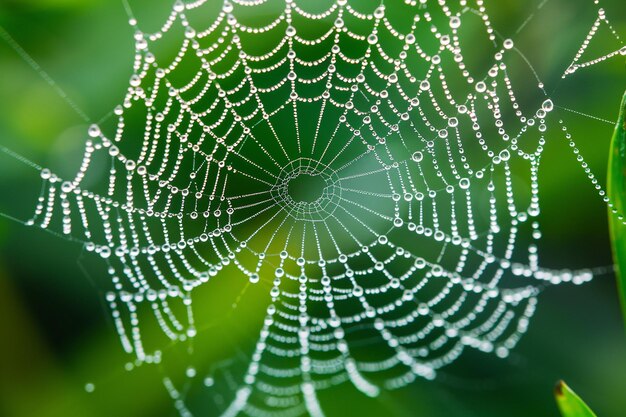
[570, 404]
[617, 195]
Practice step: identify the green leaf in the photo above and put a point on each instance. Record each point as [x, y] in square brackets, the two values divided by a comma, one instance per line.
[569, 403]
[617, 195]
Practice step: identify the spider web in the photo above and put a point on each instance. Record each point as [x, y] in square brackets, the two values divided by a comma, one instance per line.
[347, 158]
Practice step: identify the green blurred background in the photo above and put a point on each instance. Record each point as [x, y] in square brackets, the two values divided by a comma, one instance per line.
[55, 334]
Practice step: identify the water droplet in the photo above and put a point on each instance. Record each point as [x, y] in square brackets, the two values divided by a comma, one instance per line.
[93, 131]
[417, 156]
[45, 174]
[547, 105]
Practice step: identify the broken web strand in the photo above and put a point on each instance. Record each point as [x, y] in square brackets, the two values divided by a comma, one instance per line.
[601, 20]
[46, 207]
[574, 66]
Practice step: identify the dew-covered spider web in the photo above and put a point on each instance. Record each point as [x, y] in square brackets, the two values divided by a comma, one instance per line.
[352, 159]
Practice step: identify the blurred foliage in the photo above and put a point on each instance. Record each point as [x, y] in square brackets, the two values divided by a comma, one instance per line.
[570, 404]
[56, 333]
[617, 194]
